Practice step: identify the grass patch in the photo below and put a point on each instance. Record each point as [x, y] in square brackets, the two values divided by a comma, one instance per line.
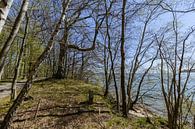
[4, 105]
[118, 121]
[151, 123]
[62, 105]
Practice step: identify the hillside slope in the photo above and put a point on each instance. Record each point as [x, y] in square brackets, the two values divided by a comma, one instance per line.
[63, 105]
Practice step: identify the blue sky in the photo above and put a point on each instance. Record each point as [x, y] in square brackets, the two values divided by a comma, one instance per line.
[188, 19]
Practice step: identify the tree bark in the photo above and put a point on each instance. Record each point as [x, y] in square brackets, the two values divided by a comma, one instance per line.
[106, 58]
[73, 65]
[63, 47]
[124, 106]
[60, 71]
[81, 74]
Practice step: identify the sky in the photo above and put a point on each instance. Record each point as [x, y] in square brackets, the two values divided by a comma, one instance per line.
[188, 19]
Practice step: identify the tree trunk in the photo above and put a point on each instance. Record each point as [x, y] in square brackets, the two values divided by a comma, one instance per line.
[116, 89]
[66, 64]
[106, 70]
[23, 72]
[16, 71]
[53, 61]
[90, 97]
[60, 70]
[81, 70]
[124, 109]
[5, 6]
[63, 46]
[73, 65]
[81, 74]
[172, 122]
[112, 70]
[14, 31]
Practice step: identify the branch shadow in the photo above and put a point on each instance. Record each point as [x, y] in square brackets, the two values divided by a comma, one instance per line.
[79, 112]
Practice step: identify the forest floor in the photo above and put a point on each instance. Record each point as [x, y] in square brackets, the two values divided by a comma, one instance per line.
[62, 105]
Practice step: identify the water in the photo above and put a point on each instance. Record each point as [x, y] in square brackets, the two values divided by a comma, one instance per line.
[151, 89]
[154, 98]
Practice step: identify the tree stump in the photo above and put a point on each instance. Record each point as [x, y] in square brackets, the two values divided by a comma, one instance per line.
[90, 97]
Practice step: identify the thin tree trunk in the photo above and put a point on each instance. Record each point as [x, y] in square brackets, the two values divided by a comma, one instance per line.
[124, 106]
[106, 70]
[81, 70]
[111, 56]
[16, 71]
[66, 64]
[14, 31]
[53, 61]
[5, 6]
[73, 65]
[23, 72]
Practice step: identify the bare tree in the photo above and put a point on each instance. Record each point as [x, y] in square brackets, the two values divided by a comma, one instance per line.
[110, 58]
[139, 60]
[172, 64]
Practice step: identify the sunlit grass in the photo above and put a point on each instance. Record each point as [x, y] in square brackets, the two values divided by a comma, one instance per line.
[61, 97]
